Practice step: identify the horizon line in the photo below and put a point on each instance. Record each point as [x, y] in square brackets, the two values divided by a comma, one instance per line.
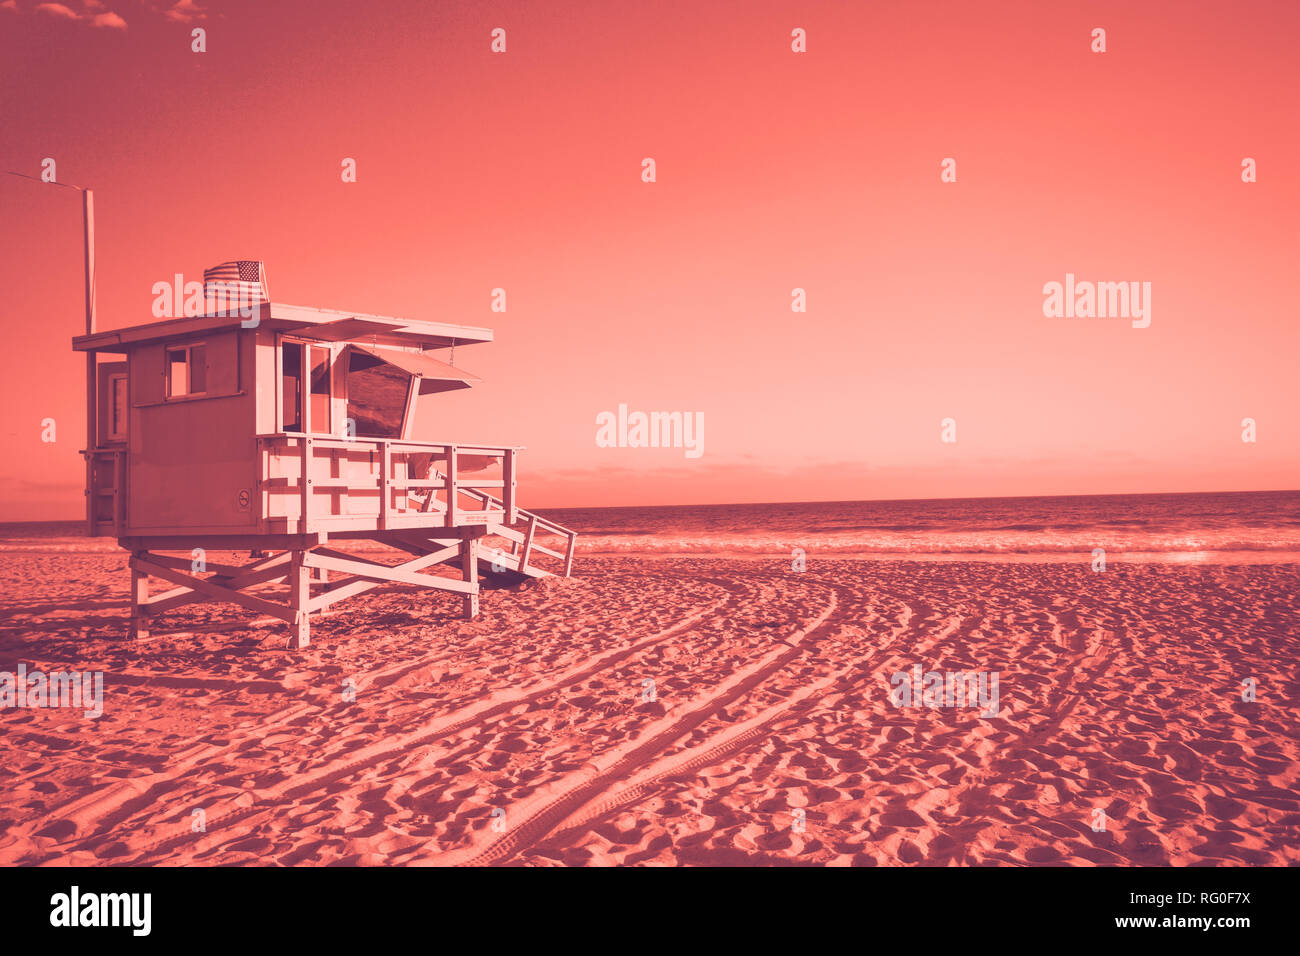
[827, 501]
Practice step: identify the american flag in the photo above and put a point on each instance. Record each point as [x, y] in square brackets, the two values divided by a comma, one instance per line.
[243, 280]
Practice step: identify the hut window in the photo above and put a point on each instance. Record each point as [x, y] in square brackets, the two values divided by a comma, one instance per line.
[117, 407]
[187, 370]
[320, 389]
[291, 386]
[376, 397]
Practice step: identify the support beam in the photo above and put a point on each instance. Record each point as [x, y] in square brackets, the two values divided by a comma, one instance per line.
[299, 600]
[267, 570]
[218, 592]
[139, 602]
[402, 573]
[469, 573]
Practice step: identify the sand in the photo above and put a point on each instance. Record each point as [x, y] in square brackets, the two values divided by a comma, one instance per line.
[533, 735]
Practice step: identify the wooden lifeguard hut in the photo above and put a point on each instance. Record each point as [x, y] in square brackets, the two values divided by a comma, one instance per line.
[283, 430]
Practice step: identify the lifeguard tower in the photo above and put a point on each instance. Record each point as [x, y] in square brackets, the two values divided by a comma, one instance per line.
[284, 432]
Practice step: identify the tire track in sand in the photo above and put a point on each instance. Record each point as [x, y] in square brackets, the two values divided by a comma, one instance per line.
[553, 802]
[138, 792]
[739, 736]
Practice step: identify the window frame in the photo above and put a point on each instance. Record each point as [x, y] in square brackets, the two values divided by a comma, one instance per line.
[304, 385]
[189, 348]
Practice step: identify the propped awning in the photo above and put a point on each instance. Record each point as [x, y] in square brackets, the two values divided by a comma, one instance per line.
[434, 376]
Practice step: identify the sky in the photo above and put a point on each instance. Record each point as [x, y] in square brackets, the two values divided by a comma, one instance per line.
[775, 170]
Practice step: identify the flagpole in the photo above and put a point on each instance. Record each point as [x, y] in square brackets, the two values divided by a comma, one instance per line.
[88, 220]
[88, 234]
[88, 224]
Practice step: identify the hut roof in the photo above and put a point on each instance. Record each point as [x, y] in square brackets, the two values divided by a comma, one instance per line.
[327, 325]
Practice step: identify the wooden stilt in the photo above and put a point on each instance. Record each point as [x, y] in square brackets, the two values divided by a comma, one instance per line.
[139, 604]
[469, 573]
[300, 601]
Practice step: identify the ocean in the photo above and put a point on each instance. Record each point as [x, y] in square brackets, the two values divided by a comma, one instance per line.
[1236, 527]
[1241, 526]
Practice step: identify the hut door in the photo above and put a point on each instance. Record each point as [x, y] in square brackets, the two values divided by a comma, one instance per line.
[114, 406]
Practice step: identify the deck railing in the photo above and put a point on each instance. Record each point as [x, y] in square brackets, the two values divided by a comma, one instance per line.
[318, 483]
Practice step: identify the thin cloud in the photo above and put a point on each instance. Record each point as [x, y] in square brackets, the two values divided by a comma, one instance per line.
[106, 20]
[186, 11]
[58, 10]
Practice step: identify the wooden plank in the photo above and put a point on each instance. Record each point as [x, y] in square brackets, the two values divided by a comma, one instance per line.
[305, 514]
[352, 586]
[340, 591]
[509, 480]
[220, 541]
[408, 415]
[568, 554]
[517, 537]
[361, 444]
[528, 543]
[432, 532]
[451, 486]
[263, 486]
[119, 498]
[344, 329]
[385, 473]
[187, 564]
[417, 547]
[215, 591]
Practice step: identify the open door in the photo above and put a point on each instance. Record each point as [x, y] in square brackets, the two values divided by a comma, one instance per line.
[107, 472]
[114, 404]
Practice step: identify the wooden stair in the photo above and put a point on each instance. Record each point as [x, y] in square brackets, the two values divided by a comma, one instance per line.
[516, 558]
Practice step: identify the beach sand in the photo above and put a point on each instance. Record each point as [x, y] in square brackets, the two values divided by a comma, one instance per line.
[668, 711]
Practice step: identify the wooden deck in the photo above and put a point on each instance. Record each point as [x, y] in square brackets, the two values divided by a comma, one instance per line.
[439, 503]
